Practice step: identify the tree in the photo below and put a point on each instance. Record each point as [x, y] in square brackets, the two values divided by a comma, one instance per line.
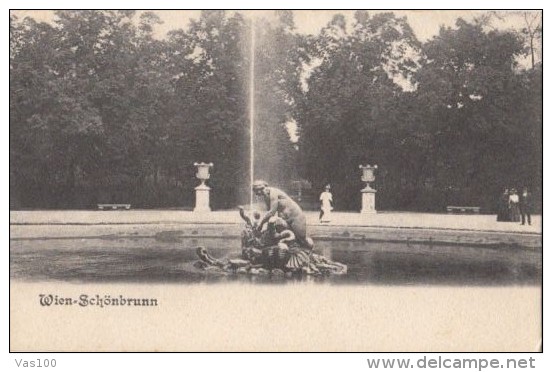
[49, 124]
[349, 113]
[73, 89]
[101, 110]
[475, 101]
[533, 31]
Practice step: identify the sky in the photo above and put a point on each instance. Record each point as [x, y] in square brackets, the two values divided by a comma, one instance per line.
[425, 23]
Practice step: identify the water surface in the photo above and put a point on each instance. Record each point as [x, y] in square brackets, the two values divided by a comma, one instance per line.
[168, 258]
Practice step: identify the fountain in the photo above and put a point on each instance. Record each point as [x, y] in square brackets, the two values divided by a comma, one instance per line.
[282, 248]
[274, 251]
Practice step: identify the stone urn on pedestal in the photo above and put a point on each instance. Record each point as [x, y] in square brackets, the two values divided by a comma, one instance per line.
[368, 193]
[202, 191]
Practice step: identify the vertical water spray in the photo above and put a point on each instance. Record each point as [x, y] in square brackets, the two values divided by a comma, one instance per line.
[251, 112]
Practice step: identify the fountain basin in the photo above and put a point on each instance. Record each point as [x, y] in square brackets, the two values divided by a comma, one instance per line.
[166, 253]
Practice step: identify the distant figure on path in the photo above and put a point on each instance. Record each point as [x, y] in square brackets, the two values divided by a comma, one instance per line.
[326, 205]
[514, 206]
[526, 206]
[503, 214]
[280, 204]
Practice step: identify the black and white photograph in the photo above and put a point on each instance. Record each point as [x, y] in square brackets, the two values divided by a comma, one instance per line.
[276, 180]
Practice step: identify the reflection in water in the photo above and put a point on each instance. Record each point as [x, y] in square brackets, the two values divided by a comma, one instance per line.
[171, 260]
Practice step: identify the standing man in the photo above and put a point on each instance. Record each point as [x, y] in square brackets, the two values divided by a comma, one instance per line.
[326, 205]
[526, 206]
[279, 203]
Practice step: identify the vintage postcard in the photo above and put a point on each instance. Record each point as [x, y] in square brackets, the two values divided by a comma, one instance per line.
[286, 180]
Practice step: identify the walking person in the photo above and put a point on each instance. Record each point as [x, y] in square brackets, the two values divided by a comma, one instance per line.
[526, 206]
[326, 205]
[514, 206]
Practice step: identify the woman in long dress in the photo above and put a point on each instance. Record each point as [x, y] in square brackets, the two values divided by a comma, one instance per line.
[326, 206]
[503, 214]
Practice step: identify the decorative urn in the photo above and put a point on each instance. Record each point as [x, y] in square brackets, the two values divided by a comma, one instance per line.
[368, 175]
[203, 171]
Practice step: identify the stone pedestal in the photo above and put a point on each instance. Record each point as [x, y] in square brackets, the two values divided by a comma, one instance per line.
[202, 191]
[368, 201]
[202, 198]
[368, 193]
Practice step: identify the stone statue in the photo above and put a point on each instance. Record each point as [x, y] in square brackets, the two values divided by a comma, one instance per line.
[278, 203]
[275, 250]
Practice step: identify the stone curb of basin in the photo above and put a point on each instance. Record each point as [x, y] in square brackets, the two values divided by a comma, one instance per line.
[358, 233]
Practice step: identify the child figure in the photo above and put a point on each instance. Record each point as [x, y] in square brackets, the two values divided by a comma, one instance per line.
[280, 232]
[294, 258]
[253, 224]
[251, 236]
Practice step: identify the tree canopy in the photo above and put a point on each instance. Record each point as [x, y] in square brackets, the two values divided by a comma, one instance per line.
[102, 110]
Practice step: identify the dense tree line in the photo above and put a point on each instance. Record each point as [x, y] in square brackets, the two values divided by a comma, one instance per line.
[101, 110]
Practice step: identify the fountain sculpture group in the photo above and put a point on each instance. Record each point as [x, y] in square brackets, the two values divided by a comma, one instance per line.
[282, 247]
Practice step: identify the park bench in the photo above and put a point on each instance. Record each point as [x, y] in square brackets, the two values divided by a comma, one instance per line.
[452, 209]
[113, 206]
